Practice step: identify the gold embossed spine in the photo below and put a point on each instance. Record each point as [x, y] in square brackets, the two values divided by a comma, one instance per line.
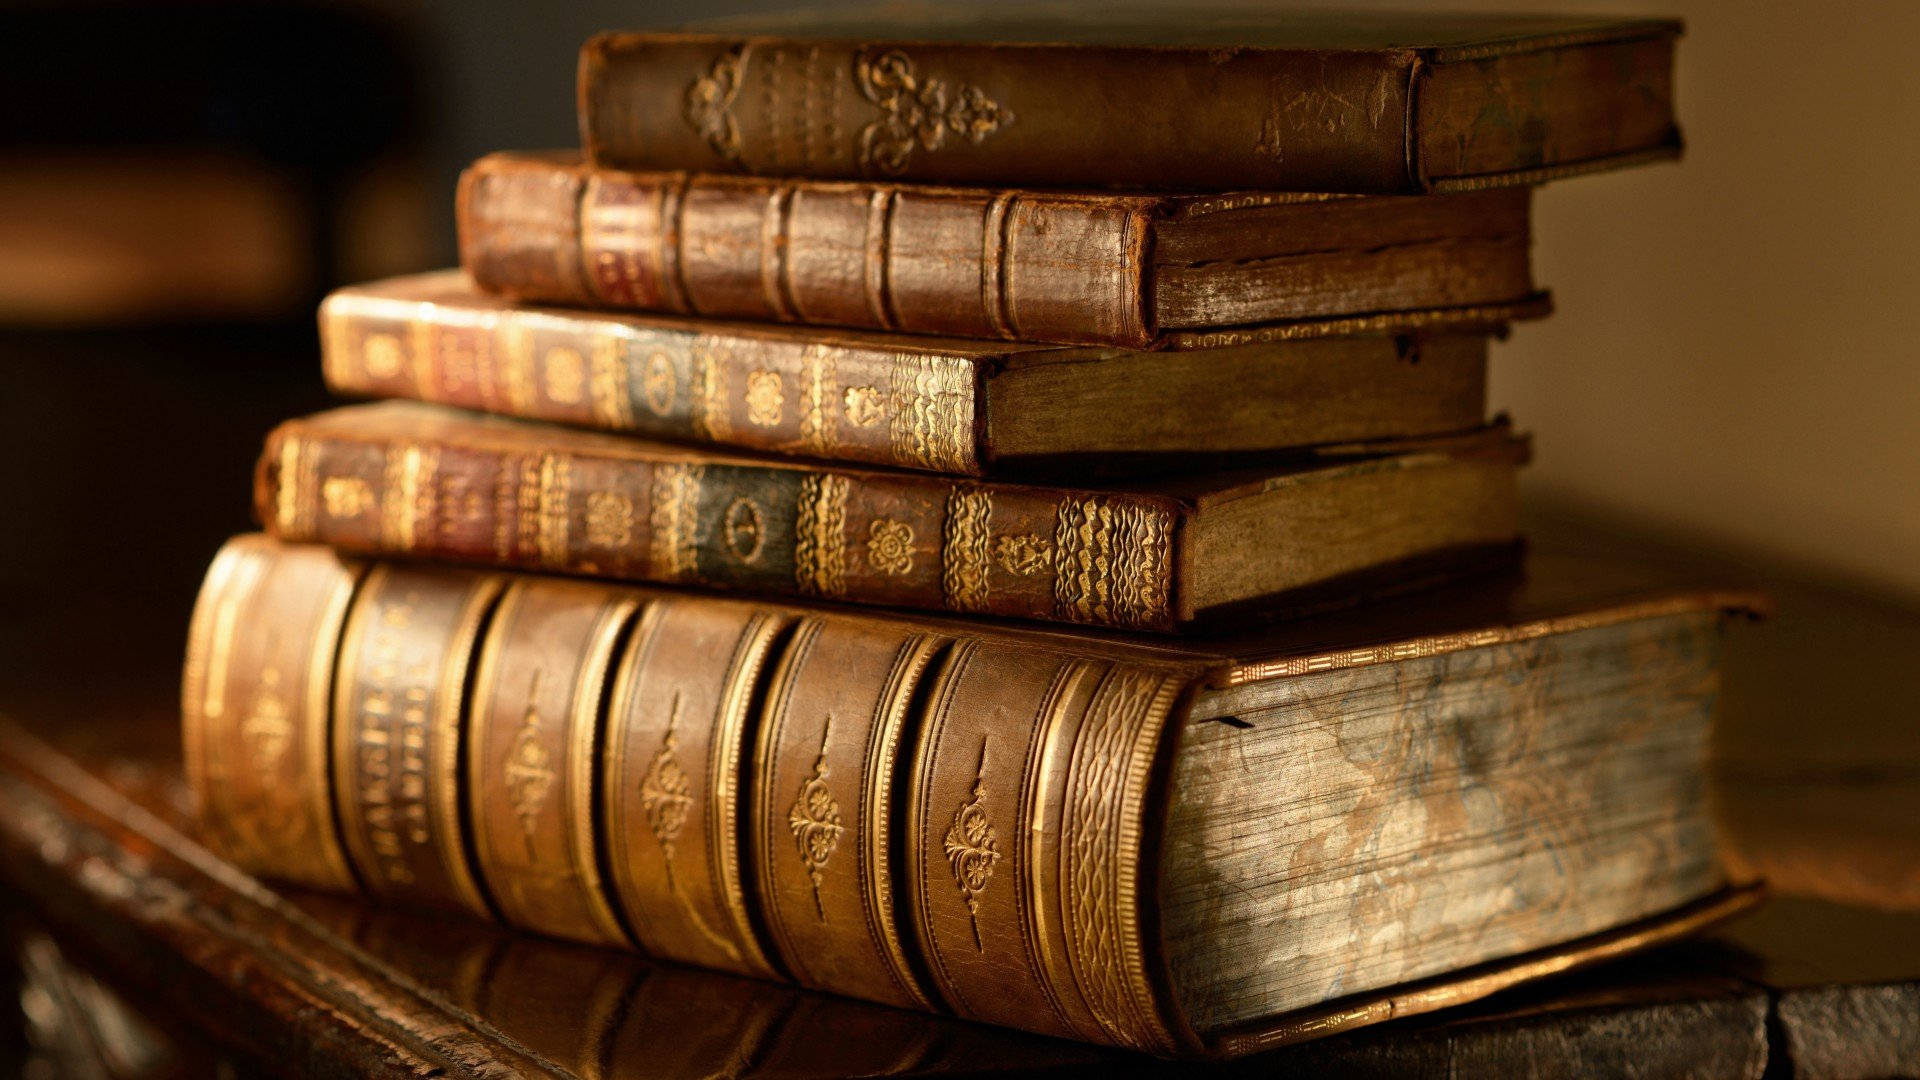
[256, 695]
[823, 806]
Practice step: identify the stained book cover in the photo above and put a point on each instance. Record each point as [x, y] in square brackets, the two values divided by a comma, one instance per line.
[945, 405]
[402, 478]
[1076, 268]
[1215, 98]
[1038, 828]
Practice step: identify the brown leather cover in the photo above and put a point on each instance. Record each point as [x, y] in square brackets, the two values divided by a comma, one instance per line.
[402, 679]
[1017, 777]
[1017, 265]
[254, 702]
[533, 730]
[934, 404]
[824, 799]
[400, 478]
[1026, 837]
[1254, 98]
[679, 733]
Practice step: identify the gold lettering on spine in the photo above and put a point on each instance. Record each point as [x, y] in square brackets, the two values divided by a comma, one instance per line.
[815, 820]
[932, 399]
[607, 383]
[817, 426]
[1110, 562]
[673, 510]
[964, 562]
[820, 540]
[972, 847]
[1101, 835]
[408, 496]
[295, 458]
[556, 490]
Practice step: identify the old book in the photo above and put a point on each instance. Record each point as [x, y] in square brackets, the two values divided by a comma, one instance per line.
[1184, 848]
[401, 478]
[945, 405]
[1213, 99]
[1139, 271]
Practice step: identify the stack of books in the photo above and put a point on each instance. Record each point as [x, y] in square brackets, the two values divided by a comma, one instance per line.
[1084, 610]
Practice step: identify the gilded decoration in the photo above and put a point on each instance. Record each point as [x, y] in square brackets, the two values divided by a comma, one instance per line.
[917, 112]
[890, 546]
[764, 397]
[709, 105]
[815, 821]
[609, 519]
[972, 847]
[529, 771]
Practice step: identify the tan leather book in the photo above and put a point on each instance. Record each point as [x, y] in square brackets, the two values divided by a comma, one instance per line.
[401, 478]
[1204, 98]
[1186, 848]
[1079, 268]
[943, 405]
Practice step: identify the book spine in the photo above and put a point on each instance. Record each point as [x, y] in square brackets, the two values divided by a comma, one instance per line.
[401, 682]
[254, 701]
[906, 408]
[534, 723]
[1015, 265]
[1042, 116]
[674, 798]
[1027, 828]
[856, 805]
[880, 538]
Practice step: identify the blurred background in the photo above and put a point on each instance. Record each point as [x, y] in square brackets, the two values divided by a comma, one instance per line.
[1729, 371]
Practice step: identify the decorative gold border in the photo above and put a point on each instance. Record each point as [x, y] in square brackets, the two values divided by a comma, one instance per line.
[450, 732]
[882, 757]
[725, 800]
[583, 737]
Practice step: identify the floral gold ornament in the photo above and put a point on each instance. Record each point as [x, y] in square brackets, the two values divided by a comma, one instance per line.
[972, 847]
[764, 397]
[865, 406]
[709, 105]
[1024, 555]
[918, 112]
[346, 496]
[665, 793]
[529, 769]
[890, 546]
[609, 519]
[815, 821]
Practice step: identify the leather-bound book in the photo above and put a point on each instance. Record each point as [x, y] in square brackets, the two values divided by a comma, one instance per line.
[1184, 848]
[406, 479]
[946, 405]
[1078, 268]
[1209, 98]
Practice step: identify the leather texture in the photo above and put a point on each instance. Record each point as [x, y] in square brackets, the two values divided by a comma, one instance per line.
[401, 478]
[1018, 265]
[762, 765]
[1043, 111]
